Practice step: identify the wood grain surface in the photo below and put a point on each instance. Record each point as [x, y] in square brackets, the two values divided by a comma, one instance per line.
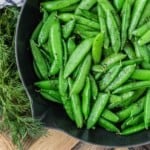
[57, 140]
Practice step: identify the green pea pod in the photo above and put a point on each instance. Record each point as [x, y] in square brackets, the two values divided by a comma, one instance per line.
[39, 60]
[131, 121]
[37, 72]
[70, 8]
[146, 110]
[97, 48]
[36, 31]
[51, 95]
[94, 88]
[86, 4]
[56, 44]
[97, 109]
[109, 76]
[113, 30]
[57, 5]
[98, 68]
[73, 62]
[132, 86]
[76, 106]
[45, 14]
[71, 45]
[122, 77]
[84, 71]
[110, 116]
[131, 62]
[126, 13]
[65, 17]
[108, 125]
[133, 129]
[141, 74]
[44, 33]
[114, 99]
[118, 4]
[136, 14]
[65, 52]
[47, 84]
[82, 27]
[67, 106]
[129, 51]
[103, 26]
[144, 39]
[97, 76]
[86, 97]
[68, 28]
[142, 29]
[132, 110]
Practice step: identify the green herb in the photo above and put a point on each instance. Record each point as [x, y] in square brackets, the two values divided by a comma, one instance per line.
[15, 110]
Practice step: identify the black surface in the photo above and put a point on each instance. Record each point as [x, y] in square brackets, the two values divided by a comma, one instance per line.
[52, 115]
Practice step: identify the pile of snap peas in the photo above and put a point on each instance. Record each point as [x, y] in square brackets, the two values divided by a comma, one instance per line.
[93, 58]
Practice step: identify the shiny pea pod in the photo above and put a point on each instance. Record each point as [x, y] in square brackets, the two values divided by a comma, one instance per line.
[39, 60]
[144, 39]
[97, 109]
[131, 62]
[51, 95]
[56, 44]
[68, 28]
[47, 84]
[137, 11]
[131, 121]
[108, 125]
[57, 5]
[129, 51]
[133, 129]
[118, 4]
[65, 52]
[146, 110]
[109, 76]
[84, 71]
[97, 48]
[86, 98]
[82, 27]
[71, 45]
[70, 8]
[73, 62]
[132, 86]
[122, 77]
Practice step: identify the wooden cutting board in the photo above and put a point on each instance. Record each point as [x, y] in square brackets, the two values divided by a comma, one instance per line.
[56, 140]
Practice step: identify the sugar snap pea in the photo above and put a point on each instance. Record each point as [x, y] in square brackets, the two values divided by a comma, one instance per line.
[118, 4]
[129, 51]
[145, 38]
[71, 45]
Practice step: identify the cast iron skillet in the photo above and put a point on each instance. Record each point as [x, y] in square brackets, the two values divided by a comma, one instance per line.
[50, 114]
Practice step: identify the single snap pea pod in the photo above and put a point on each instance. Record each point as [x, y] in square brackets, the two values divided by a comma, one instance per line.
[109, 76]
[47, 84]
[56, 5]
[108, 125]
[82, 27]
[36, 31]
[146, 110]
[80, 52]
[114, 99]
[45, 14]
[131, 121]
[39, 60]
[132, 86]
[71, 45]
[70, 8]
[133, 129]
[37, 72]
[65, 52]
[136, 14]
[126, 13]
[129, 51]
[132, 110]
[86, 97]
[67, 106]
[99, 68]
[97, 48]
[118, 4]
[113, 31]
[103, 26]
[76, 106]
[97, 109]
[94, 88]
[142, 29]
[145, 38]
[51, 95]
[84, 71]
[122, 77]
[65, 17]
[44, 33]
[131, 62]
[88, 14]
[86, 4]
[56, 44]
[145, 15]
[68, 28]
[110, 116]
[141, 74]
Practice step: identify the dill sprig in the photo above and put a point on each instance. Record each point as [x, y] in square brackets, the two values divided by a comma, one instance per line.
[15, 110]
